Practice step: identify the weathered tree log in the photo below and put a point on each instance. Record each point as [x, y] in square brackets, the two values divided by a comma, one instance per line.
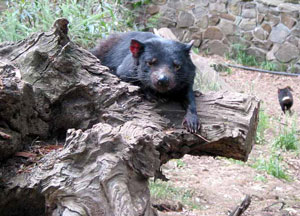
[114, 139]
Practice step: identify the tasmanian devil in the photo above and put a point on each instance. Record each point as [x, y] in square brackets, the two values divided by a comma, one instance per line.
[285, 98]
[161, 67]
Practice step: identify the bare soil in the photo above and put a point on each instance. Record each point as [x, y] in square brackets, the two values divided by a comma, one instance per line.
[219, 184]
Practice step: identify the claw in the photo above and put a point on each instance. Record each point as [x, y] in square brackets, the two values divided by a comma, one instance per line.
[191, 123]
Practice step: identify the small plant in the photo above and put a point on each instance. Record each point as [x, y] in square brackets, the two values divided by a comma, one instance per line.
[152, 22]
[260, 178]
[221, 68]
[180, 163]
[89, 20]
[235, 161]
[267, 65]
[240, 55]
[272, 165]
[165, 191]
[263, 125]
[228, 71]
[140, 3]
[196, 50]
[288, 139]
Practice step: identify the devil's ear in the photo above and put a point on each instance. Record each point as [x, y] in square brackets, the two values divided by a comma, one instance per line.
[136, 48]
[189, 45]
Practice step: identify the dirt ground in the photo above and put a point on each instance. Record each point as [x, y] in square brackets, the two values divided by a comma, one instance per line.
[220, 184]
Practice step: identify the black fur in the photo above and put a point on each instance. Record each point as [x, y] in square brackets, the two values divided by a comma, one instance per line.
[285, 98]
[161, 67]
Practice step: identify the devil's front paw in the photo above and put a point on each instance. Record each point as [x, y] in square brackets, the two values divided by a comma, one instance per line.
[191, 122]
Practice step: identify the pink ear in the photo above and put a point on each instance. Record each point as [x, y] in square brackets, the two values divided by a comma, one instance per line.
[136, 48]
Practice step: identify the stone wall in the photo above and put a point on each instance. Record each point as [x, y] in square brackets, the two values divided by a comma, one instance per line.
[269, 29]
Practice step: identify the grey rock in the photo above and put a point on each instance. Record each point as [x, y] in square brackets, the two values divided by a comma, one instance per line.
[259, 54]
[197, 35]
[293, 14]
[294, 68]
[287, 52]
[250, 5]
[218, 7]
[273, 20]
[175, 4]
[199, 12]
[288, 21]
[179, 32]
[215, 47]
[249, 13]
[293, 40]
[260, 33]
[213, 33]
[262, 8]
[247, 24]
[202, 3]
[194, 29]
[265, 45]
[297, 26]
[169, 14]
[247, 35]
[235, 7]
[153, 9]
[213, 20]
[159, 2]
[260, 18]
[275, 11]
[223, 1]
[293, 8]
[227, 27]
[227, 16]
[165, 22]
[296, 32]
[185, 19]
[235, 39]
[197, 43]
[271, 54]
[279, 33]
[202, 23]
[266, 27]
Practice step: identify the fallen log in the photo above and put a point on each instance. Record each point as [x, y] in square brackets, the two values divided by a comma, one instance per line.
[114, 139]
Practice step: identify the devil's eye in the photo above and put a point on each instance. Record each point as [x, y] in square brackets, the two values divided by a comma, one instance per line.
[177, 66]
[152, 62]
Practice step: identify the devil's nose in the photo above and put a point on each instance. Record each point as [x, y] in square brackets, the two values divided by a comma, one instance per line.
[163, 80]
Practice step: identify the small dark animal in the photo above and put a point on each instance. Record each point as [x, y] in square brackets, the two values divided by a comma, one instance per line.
[285, 98]
[161, 67]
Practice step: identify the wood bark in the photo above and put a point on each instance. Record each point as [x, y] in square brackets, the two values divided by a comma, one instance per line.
[115, 140]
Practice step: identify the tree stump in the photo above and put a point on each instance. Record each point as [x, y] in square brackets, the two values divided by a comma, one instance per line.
[114, 139]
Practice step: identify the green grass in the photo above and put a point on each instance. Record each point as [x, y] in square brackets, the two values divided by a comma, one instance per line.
[165, 191]
[239, 54]
[267, 65]
[263, 125]
[272, 165]
[89, 20]
[140, 3]
[242, 163]
[180, 163]
[288, 139]
[260, 178]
